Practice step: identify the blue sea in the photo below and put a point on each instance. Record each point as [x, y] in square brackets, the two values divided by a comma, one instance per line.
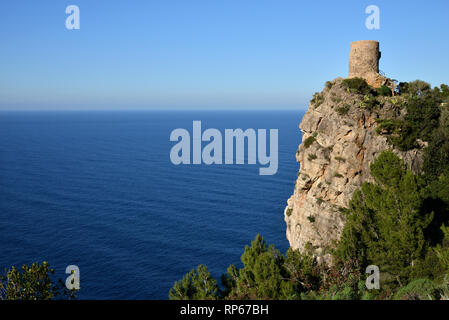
[97, 189]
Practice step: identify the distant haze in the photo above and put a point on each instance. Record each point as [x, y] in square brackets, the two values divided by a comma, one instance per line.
[205, 54]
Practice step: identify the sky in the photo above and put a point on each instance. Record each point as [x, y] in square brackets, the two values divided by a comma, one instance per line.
[205, 54]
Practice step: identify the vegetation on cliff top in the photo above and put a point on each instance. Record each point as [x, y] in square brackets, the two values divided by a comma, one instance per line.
[424, 107]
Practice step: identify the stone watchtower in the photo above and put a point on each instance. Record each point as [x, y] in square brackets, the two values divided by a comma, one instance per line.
[364, 63]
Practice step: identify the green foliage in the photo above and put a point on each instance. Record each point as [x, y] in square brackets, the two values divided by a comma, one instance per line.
[416, 88]
[388, 169]
[423, 113]
[317, 99]
[432, 266]
[342, 281]
[436, 157]
[385, 225]
[266, 274]
[289, 212]
[308, 142]
[340, 159]
[419, 289]
[31, 283]
[444, 88]
[262, 276]
[311, 219]
[384, 91]
[303, 271]
[368, 102]
[423, 106]
[357, 85]
[442, 250]
[400, 134]
[402, 88]
[342, 111]
[195, 285]
[311, 157]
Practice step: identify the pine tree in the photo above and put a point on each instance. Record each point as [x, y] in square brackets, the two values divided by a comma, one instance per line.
[195, 285]
[386, 222]
[262, 276]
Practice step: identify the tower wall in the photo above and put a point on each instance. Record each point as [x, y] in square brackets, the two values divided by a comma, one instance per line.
[364, 61]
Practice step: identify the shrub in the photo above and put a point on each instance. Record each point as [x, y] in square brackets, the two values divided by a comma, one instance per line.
[311, 157]
[309, 141]
[336, 99]
[357, 85]
[419, 289]
[311, 219]
[368, 102]
[384, 91]
[401, 134]
[342, 111]
[317, 99]
[289, 212]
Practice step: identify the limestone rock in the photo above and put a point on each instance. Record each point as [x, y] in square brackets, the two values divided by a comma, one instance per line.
[339, 143]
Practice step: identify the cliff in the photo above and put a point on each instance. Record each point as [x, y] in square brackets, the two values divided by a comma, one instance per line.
[339, 142]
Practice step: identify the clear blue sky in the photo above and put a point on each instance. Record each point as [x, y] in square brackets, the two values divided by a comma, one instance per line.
[205, 53]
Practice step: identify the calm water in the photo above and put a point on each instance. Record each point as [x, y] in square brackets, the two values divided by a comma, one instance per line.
[98, 190]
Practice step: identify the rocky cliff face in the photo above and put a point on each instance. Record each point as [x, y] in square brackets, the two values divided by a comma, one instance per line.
[339, 143]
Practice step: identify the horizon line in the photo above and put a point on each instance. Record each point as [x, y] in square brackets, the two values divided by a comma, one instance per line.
[154, 109]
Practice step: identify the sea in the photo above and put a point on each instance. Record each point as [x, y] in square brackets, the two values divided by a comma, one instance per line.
[97, 189]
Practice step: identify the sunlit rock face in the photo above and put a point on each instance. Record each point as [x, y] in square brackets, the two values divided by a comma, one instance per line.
[339, 143]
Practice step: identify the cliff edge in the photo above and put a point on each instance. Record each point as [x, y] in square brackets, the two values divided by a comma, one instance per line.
[339, 142]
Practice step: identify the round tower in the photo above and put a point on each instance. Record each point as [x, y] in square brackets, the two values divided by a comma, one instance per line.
[364, 61]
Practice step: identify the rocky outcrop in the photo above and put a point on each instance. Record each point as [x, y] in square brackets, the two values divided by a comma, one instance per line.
[339, 142]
